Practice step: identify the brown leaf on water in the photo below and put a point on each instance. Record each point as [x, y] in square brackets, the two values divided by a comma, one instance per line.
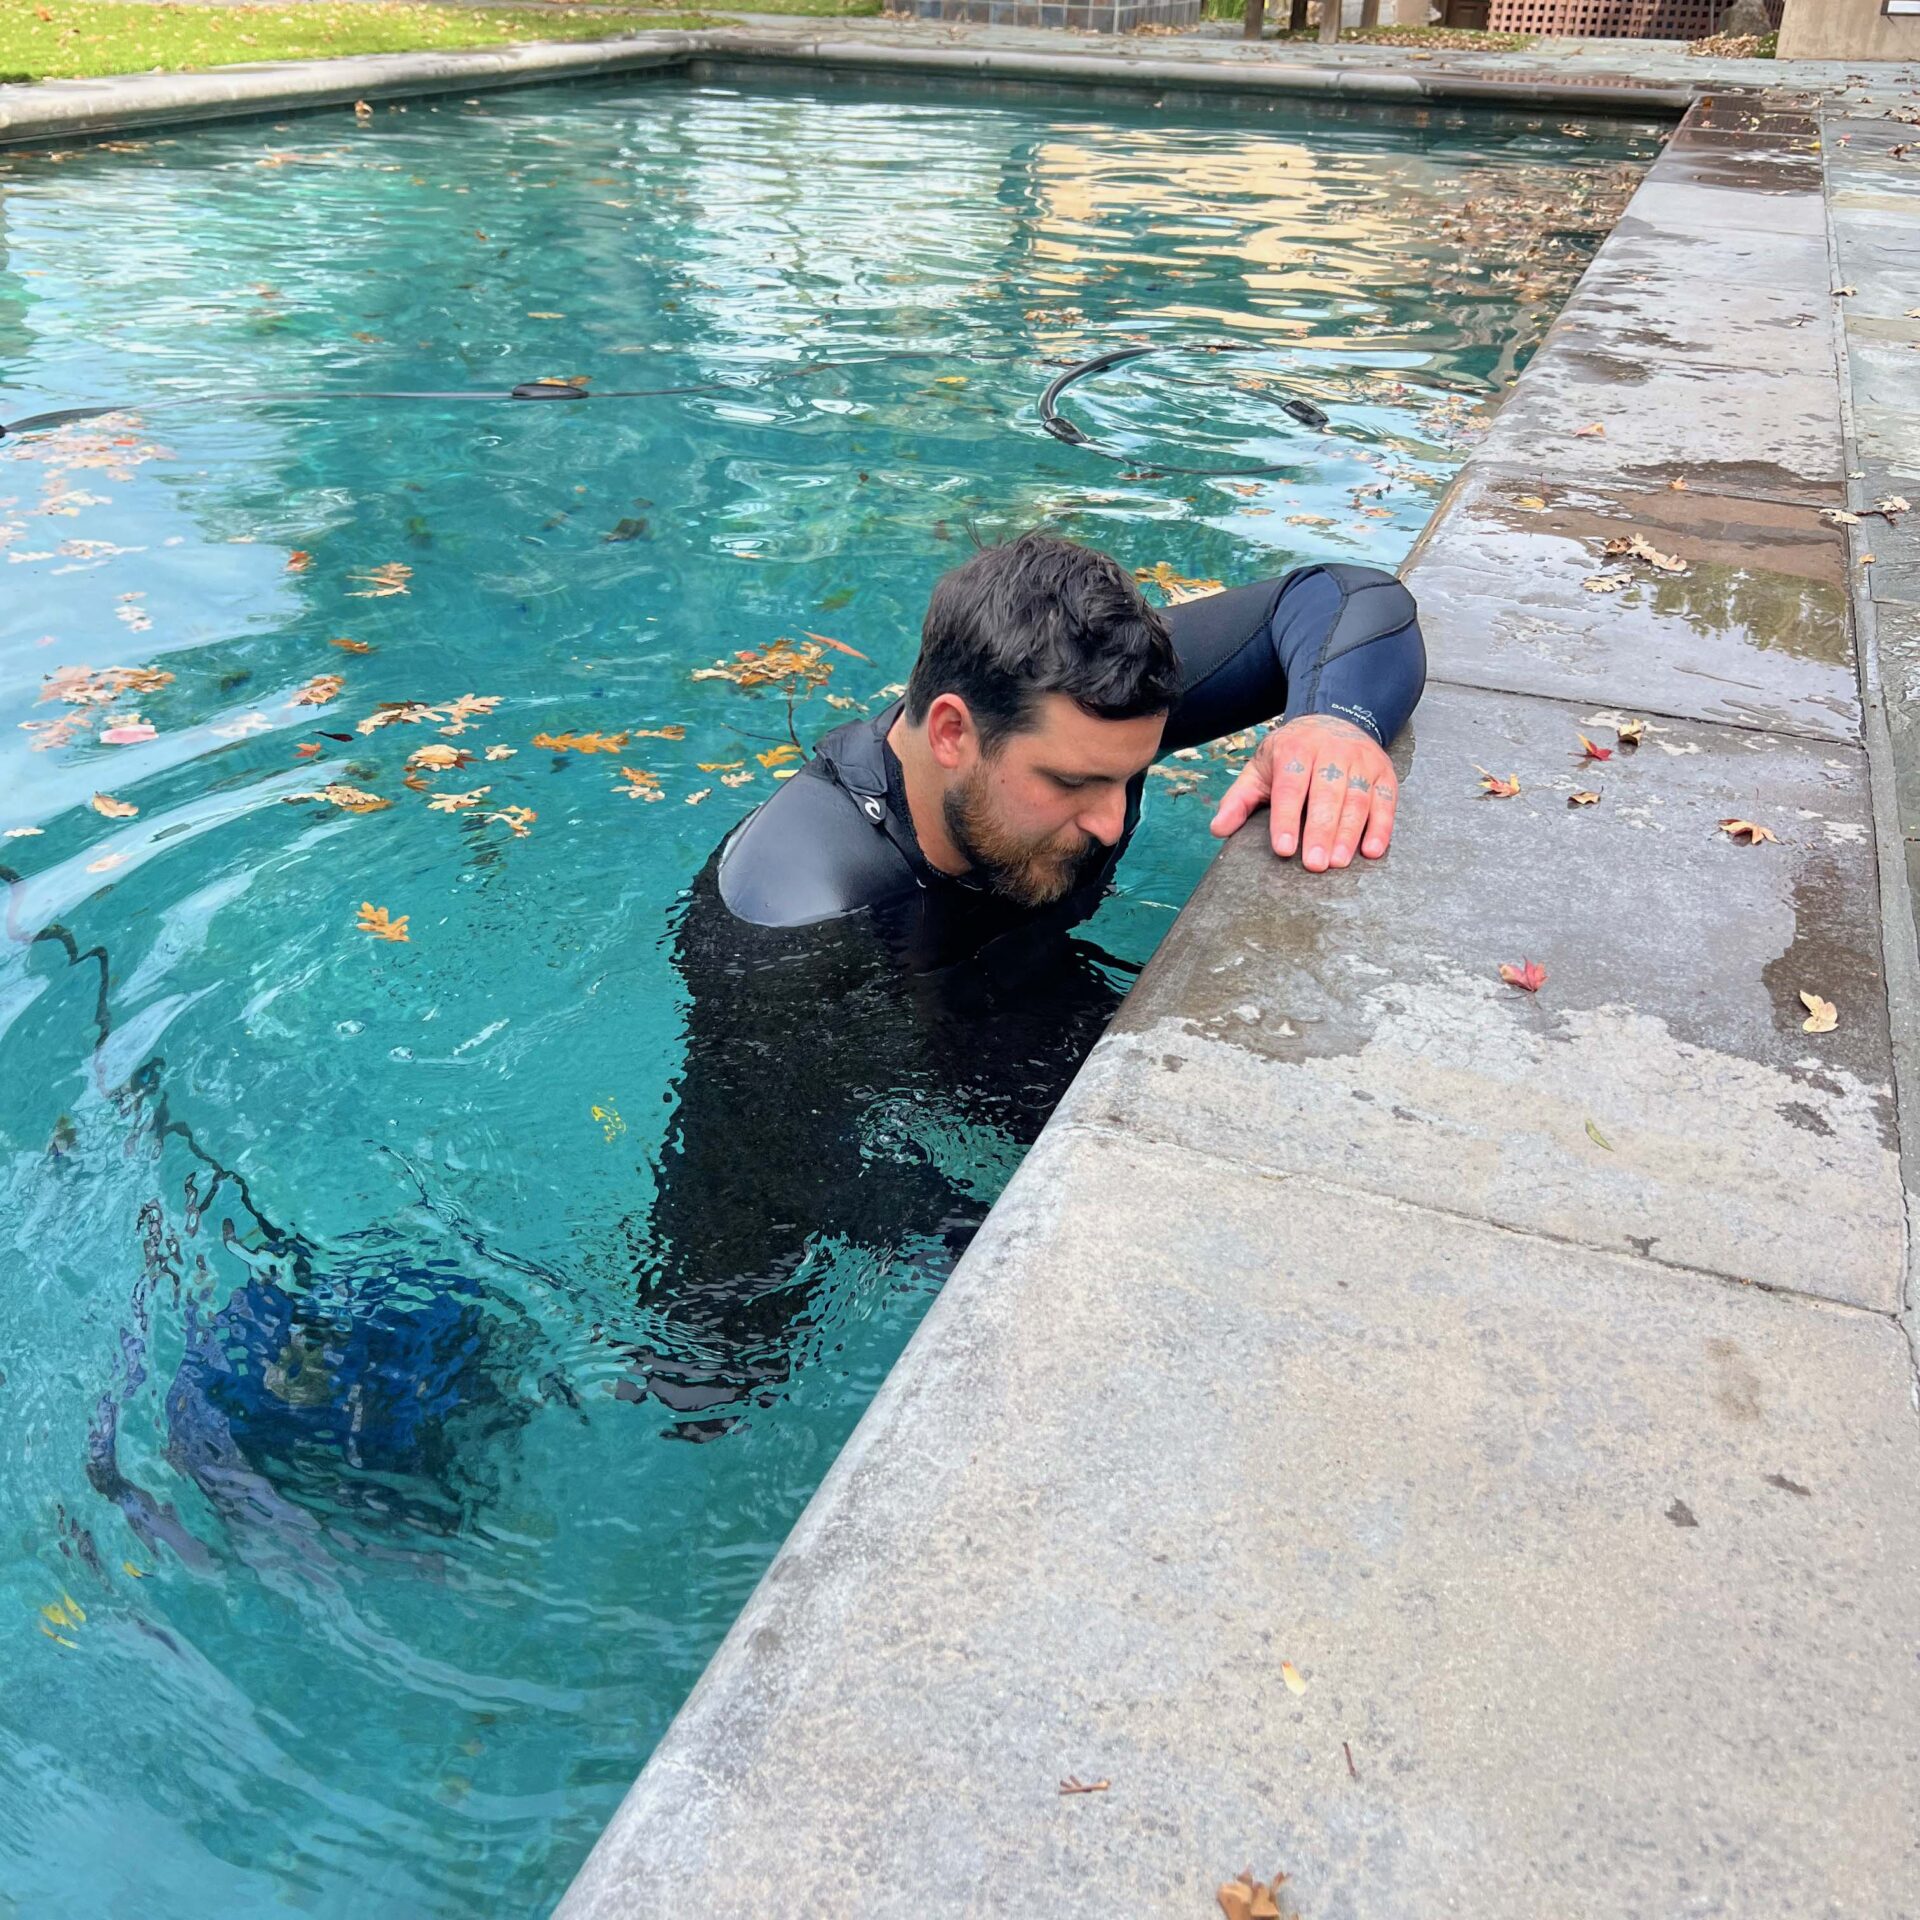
[1584, 798]
[457, 802]
[438, 759]
[1604, 582]
[298, 561]
[1178, 587]
[351, 646]
[307, 749]
[106, 863]
[781, 663]
[641, 785]
[397, 713]
[380, 923]
[779, 756]
[839, 646]
[694, 799]
[338, 794]
[1498, 787]
[382, 582]
[319, 691]
[516, 819]
[675, 732]
[113, 809]
[719, 766]
[736, 779]
[1822, 1015]
[501, 752]
[581, 742]
[1636, 546]
[1748, 830]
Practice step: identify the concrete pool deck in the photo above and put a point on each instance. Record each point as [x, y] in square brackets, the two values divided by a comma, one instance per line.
[1456, 1446]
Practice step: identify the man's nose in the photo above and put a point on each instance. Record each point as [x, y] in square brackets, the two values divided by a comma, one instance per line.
[1108, 820]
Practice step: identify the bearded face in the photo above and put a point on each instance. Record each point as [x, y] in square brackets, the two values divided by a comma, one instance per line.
[1030, 870]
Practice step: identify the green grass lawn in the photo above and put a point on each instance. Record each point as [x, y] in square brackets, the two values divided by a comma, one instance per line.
[66, 39]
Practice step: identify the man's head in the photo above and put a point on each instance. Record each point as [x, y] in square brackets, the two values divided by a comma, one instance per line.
[1041, 689]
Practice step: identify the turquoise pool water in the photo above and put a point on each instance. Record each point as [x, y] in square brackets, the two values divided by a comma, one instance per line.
[401, 1653]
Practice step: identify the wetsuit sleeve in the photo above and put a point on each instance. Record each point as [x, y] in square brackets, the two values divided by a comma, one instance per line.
[1335, 639]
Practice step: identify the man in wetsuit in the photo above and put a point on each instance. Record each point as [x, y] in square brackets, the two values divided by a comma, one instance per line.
[882, 996]
[1004, 788]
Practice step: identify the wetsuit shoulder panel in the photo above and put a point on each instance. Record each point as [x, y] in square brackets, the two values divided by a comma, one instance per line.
[809, 854]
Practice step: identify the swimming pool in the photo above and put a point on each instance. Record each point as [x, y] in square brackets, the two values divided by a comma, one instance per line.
[347, 1572]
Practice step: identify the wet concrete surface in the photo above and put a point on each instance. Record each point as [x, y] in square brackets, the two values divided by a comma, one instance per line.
[1449, 1570]
[1355, 1025]
[1755, 631]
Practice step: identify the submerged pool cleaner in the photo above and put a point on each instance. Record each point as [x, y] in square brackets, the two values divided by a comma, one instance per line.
[1304, 411]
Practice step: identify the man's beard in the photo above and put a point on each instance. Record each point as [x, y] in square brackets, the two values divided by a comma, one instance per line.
[1030, 873]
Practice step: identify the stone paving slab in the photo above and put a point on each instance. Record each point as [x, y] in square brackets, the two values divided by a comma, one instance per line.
[1766, 432]
[1756, 632]
[1603, 1587]
[1356, 1025]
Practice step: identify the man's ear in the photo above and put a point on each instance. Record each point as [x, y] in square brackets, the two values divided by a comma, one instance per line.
[951, 735]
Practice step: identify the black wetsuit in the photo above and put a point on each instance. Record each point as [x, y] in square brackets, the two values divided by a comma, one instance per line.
[838, 839]
[862, 1030]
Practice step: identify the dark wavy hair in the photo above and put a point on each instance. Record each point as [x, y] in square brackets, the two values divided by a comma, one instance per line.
[1039, 616]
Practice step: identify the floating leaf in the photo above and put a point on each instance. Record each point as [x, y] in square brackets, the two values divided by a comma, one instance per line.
[694, 799]
[338, 794]
[298, 561]
[23, 833]
[381, 924]
[719, 766]
[517, 819]
[1527, 974]
[1586, 797]
[501, 752]
[113, 809]
[106, 863]
[1530, 503]
[771, 666]
[438, 758]
[1822, 1015]
[1604, 582]
[308, 748]
[457, 802]
[1748, 830]
[397, 713]
[129, 733]
[319, 691]
[350, 646]
[675, 732]
[779, 756]
[1178, 588]
[581, 742]
[1591, 751]
[736, 779]
[839, 646]
[382, 582]
[1636, 546]
[641, 785]
[1500, 788]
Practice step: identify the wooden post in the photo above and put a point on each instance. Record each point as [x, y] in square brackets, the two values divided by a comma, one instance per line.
[1297, 20]
[1330, 11]
[1256, 19]
[1369, 13]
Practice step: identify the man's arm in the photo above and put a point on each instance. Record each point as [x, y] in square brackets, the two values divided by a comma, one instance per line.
[1336, 651]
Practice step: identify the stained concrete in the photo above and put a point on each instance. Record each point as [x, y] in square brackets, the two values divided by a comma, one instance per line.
[1602, 1586]
[1755, 631]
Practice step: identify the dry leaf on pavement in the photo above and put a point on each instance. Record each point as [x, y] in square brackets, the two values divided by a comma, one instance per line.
[1527, 974]
[1494, 785]
[1592, 752]
[1586, 797]
[1822, 1015]
[1748, 830]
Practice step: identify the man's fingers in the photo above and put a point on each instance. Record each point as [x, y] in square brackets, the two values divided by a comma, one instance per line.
[1353, 818]
[1290, 780]
[1324, 801]
[1380, 824]
[1245, 797]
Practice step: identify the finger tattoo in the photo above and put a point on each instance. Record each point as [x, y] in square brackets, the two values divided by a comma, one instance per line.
[1360, 783]
[1296, 766]
[1329, 772]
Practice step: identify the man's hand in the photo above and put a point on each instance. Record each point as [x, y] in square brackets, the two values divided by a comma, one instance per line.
[1330, 770]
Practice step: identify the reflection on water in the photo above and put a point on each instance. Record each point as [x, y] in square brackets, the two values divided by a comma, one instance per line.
[358, 1280]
